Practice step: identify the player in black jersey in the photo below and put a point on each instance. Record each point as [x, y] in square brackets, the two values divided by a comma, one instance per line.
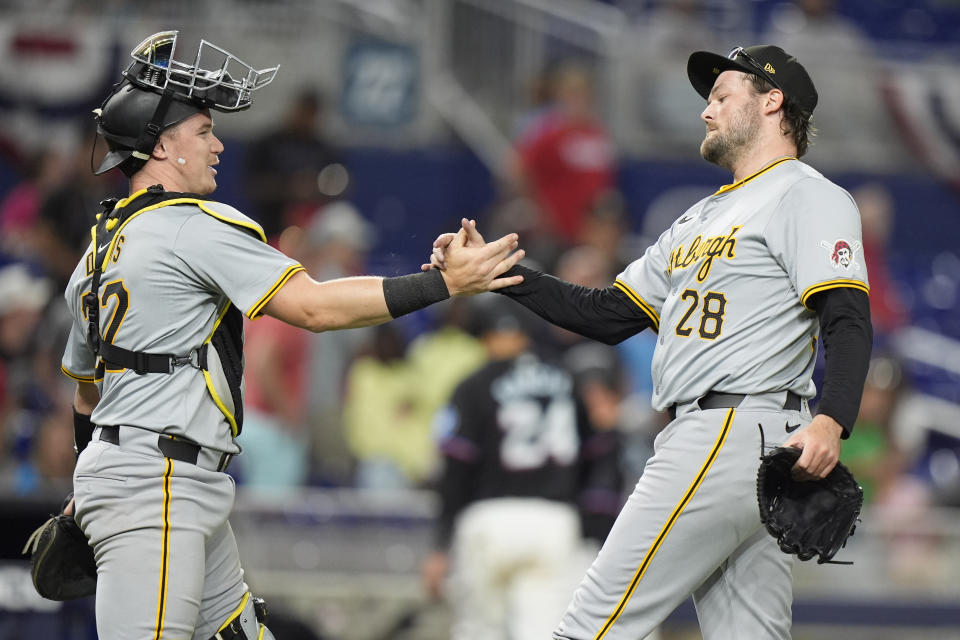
[511, 440]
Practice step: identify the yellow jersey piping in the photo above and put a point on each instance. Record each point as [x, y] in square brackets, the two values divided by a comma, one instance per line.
[74, 376]
[167, 203]
[253, 226]
[833, 284]
[736, 185]
[640, 302]
[257, 308]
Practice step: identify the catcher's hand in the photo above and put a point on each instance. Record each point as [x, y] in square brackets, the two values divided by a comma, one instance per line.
[807, 517]
[61, 560]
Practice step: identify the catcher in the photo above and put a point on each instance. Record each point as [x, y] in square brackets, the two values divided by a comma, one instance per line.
[156, 348]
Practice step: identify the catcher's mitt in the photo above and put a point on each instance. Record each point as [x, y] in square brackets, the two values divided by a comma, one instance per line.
[61, 561]
[807, 517]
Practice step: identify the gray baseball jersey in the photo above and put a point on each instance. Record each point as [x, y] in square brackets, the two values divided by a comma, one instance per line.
[174, 270]
[727, 287]
[728, 284]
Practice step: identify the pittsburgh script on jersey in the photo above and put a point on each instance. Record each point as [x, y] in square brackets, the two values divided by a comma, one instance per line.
[721, 246]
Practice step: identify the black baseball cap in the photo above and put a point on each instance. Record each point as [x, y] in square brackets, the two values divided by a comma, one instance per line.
[496, 314]
[769, 62]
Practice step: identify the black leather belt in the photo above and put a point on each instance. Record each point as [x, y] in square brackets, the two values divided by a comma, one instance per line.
[182, 450]
[717, 400]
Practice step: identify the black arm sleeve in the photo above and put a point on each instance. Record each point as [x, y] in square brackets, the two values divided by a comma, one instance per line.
[606, 315]
[847, 337]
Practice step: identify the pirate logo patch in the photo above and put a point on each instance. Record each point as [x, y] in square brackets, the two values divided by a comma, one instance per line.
[843, 254]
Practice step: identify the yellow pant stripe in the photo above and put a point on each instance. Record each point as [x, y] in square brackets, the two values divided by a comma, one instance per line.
[165, 547]
[652, 551]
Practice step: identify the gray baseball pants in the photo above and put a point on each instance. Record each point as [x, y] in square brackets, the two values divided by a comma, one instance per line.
[167, 560]
[692, 526]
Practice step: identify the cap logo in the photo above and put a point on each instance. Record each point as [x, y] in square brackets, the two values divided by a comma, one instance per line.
[716, 71]
[769, 68]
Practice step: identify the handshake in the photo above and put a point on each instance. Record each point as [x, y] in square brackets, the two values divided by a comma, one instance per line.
[470, 265]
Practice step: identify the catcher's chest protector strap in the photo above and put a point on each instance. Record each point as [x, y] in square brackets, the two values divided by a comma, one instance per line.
[222, 364]
[220, 357]
[109, 222]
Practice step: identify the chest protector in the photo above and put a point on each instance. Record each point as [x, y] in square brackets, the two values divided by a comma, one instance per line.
[220, 357]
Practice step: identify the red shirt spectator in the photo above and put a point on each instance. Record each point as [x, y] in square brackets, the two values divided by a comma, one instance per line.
[566, 156]
[567, 165]
[276, 355]
[888, 311]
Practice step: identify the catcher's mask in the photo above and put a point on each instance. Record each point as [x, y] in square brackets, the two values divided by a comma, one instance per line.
[158, 91]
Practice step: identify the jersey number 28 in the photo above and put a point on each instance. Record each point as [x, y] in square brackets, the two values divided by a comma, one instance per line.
[711, 314]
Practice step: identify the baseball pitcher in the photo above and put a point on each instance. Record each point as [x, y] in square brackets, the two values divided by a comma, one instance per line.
[742, 290]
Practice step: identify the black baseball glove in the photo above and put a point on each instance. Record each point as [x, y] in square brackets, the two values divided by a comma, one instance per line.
[809, 518]
[61, 561]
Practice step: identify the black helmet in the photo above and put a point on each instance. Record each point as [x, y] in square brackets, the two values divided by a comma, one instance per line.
[158, 91]
[122, 121]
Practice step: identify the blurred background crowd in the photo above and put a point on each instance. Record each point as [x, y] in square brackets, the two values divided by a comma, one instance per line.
[571, 122]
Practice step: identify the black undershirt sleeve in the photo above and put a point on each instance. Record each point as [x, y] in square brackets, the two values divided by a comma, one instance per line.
[847, 337]
[606, 315]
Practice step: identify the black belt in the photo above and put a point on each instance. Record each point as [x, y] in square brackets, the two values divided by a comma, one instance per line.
[717, 400]
[182, 450]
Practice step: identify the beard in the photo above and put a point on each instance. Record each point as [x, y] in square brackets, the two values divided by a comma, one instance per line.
[724, 148]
